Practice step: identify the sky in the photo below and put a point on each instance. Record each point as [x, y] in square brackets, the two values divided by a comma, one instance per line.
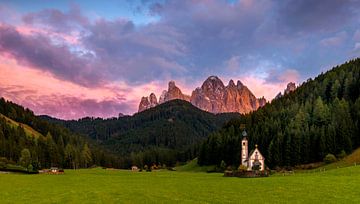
[70, 59]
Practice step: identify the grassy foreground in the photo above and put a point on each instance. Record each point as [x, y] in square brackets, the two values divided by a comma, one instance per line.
[118, 186]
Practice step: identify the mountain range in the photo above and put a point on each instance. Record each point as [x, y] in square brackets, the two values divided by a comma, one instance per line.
[320, 117]
[213, 96]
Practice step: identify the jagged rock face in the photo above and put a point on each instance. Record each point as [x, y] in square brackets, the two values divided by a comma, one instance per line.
[144, 104]
[213, 96]
[210, 96]
[148, 102]
[290, 87]
[153, 100]
[172, 93]
[162, 97]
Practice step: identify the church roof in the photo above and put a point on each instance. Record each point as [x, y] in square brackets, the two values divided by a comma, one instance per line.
[252, 152]
[244, 133]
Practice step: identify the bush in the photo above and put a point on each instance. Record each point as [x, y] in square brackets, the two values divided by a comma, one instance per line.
[2, 165]
[222, 165]
[330, 158]
[242, 168]
[342, 154]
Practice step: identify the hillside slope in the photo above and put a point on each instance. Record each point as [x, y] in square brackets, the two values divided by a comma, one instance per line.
[352, 159]
[165, 133]
[46, 144]
[30, 132]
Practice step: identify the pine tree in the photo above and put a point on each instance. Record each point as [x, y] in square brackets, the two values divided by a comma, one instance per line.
[335, 89]
[321, 114]
[86, 155]
[70, 156]
[52, 150]
[25, 159]
[2, 142]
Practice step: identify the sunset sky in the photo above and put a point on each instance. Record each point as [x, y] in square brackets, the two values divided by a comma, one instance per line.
[71, 59]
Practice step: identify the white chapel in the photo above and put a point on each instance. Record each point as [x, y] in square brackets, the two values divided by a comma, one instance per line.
[255, 159]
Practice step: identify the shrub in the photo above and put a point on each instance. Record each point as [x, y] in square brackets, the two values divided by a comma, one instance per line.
[342, 154]
[4, 160]
[30, 167]
[330, 158]
[242, 168]
[222, 165]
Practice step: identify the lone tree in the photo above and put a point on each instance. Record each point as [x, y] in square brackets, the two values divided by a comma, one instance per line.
[330, 158]
[25, 158]
[222, 165]
[86, 155]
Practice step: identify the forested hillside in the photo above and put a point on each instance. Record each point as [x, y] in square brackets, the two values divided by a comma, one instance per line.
[321, 116]
[164, 134]
[27, 140]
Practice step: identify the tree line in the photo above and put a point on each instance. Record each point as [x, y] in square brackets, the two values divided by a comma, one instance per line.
[55, 146]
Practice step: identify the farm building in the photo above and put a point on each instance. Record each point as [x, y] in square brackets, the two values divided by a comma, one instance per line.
[134, 168]
[55, 170]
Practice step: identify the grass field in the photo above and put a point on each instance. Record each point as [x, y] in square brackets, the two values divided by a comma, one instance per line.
[120, 186]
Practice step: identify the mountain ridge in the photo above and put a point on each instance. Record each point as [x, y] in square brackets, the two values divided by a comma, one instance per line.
[213, 96]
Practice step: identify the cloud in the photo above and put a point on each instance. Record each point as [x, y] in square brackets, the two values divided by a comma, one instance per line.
[57, 20]
[336, 40]
[37, 51]
[357, 35]
[260, 87]
[357, 47]
[233, 63]
[116, 61]
[308, 16]
[283, 76]
[45, 94]
[136, 55]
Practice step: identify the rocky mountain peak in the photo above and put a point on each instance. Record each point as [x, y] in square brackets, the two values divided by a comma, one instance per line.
[153, 100]
[239, 84]
[171, 85]
[213, 96]
[213, 83]
[162, 97]
[289, 88]
[213, 80]
[231, 83]
[148, 102]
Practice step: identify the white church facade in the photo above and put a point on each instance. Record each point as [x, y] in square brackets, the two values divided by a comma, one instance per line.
[254, 160]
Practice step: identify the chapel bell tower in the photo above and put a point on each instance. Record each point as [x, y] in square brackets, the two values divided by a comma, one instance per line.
[244, 149]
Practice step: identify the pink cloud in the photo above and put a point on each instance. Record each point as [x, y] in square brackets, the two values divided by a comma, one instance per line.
[289, 75]
[336, 40]
[71, 38]
[261, 87]
[45, 94]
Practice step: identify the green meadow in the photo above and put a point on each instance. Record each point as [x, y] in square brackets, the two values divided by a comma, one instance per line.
[119, 186]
